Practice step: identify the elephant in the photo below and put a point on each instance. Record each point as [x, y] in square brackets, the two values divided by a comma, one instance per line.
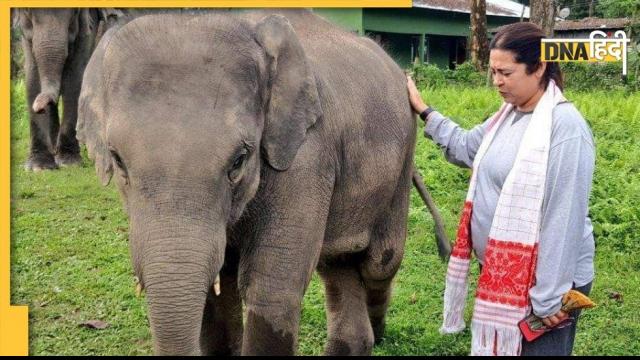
[57, 44]
[250, 150]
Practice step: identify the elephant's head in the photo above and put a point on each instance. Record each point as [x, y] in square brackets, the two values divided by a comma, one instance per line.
[183, 112]
[51, 34]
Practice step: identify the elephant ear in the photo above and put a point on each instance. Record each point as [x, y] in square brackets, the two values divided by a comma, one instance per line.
[293, 102]
[91, 128]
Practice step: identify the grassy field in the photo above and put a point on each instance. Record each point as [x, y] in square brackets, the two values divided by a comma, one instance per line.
[70, 256]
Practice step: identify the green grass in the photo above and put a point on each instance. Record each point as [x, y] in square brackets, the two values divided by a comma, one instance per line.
[70, 256]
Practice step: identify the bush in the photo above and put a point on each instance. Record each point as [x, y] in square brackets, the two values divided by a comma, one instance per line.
[584, 76]
[579, 76]
[429, 75]
[467, 74]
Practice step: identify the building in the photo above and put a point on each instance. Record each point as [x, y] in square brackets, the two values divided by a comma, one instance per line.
[580, 29]
[432, 31]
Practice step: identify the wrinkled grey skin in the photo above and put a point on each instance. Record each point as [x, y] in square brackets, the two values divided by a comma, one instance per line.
[57, 45]
[258, 148]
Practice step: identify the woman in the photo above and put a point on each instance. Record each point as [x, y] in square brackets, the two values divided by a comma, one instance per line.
[527, 205]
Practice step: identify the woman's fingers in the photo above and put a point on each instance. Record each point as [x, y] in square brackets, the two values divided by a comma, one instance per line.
[556, 319]
[414, 96]
[562, 315]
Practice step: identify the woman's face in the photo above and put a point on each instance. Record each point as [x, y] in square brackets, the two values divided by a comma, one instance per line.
[514, 84]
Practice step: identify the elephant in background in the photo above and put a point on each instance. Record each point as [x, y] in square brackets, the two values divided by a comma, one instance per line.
[249, 150]
[57, 45]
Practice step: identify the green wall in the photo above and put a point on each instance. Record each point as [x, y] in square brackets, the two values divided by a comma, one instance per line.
[399, 25]
[349, 18]
[424, 21]
[416, 21]
[405, 23]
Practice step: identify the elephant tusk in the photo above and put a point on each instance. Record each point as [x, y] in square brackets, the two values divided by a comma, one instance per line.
[216, 285]
[139, 288]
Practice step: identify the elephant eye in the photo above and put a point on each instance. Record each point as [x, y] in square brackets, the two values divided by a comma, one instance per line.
[239, 161]
[119, 163]
[236, 168]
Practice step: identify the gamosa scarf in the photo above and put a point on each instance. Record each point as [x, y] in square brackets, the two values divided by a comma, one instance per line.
[502, 295]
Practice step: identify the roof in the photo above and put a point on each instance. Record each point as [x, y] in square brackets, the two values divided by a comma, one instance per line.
[592, 24]
[494, 7]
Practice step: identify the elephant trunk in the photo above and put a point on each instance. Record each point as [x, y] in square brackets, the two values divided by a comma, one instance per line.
[177, 261]
[50, 50]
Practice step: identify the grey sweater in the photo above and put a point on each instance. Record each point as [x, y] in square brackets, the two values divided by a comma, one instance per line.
[566, 248]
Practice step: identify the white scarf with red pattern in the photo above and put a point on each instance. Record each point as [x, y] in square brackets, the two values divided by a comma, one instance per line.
[502, 295]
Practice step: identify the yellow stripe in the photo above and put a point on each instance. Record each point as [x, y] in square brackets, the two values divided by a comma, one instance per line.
[210, 3]
[13, 319]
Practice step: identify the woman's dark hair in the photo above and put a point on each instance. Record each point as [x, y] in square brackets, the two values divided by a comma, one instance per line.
[523, 40]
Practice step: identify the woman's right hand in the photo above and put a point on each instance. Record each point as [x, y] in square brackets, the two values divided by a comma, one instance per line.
[414, 97]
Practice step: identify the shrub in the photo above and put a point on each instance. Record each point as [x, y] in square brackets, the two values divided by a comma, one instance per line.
[429, 75]
[584, 76]
[579, 76]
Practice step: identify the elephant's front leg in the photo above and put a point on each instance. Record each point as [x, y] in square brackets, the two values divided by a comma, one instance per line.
[222, 321]
[277, 265]
[277, 277]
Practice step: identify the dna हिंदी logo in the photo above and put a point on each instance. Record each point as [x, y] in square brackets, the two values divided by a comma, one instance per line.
[598, 47]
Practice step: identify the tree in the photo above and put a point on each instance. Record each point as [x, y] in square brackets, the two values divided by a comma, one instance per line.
[479, 43]
[543, 13]
[619, 8]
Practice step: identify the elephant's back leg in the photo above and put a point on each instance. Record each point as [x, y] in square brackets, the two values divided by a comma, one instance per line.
[349, 328]
[382, 258]
[68, 149]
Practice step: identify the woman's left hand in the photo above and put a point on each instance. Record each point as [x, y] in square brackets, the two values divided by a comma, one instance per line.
[555, 319]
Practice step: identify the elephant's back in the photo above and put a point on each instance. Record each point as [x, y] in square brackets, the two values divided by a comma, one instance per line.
[360, 86]
[367, 127]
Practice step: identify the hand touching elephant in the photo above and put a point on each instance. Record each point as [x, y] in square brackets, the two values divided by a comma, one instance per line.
[254, 148]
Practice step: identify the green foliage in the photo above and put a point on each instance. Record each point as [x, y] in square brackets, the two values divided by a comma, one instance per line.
[70, 257]
[17, 56]
[428, 75]
[580, 76]
[467, 74]
[583, 76]
[433, 76]
[619, 8]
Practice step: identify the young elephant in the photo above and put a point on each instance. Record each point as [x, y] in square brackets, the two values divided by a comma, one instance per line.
[57, 45]
[256, 148]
